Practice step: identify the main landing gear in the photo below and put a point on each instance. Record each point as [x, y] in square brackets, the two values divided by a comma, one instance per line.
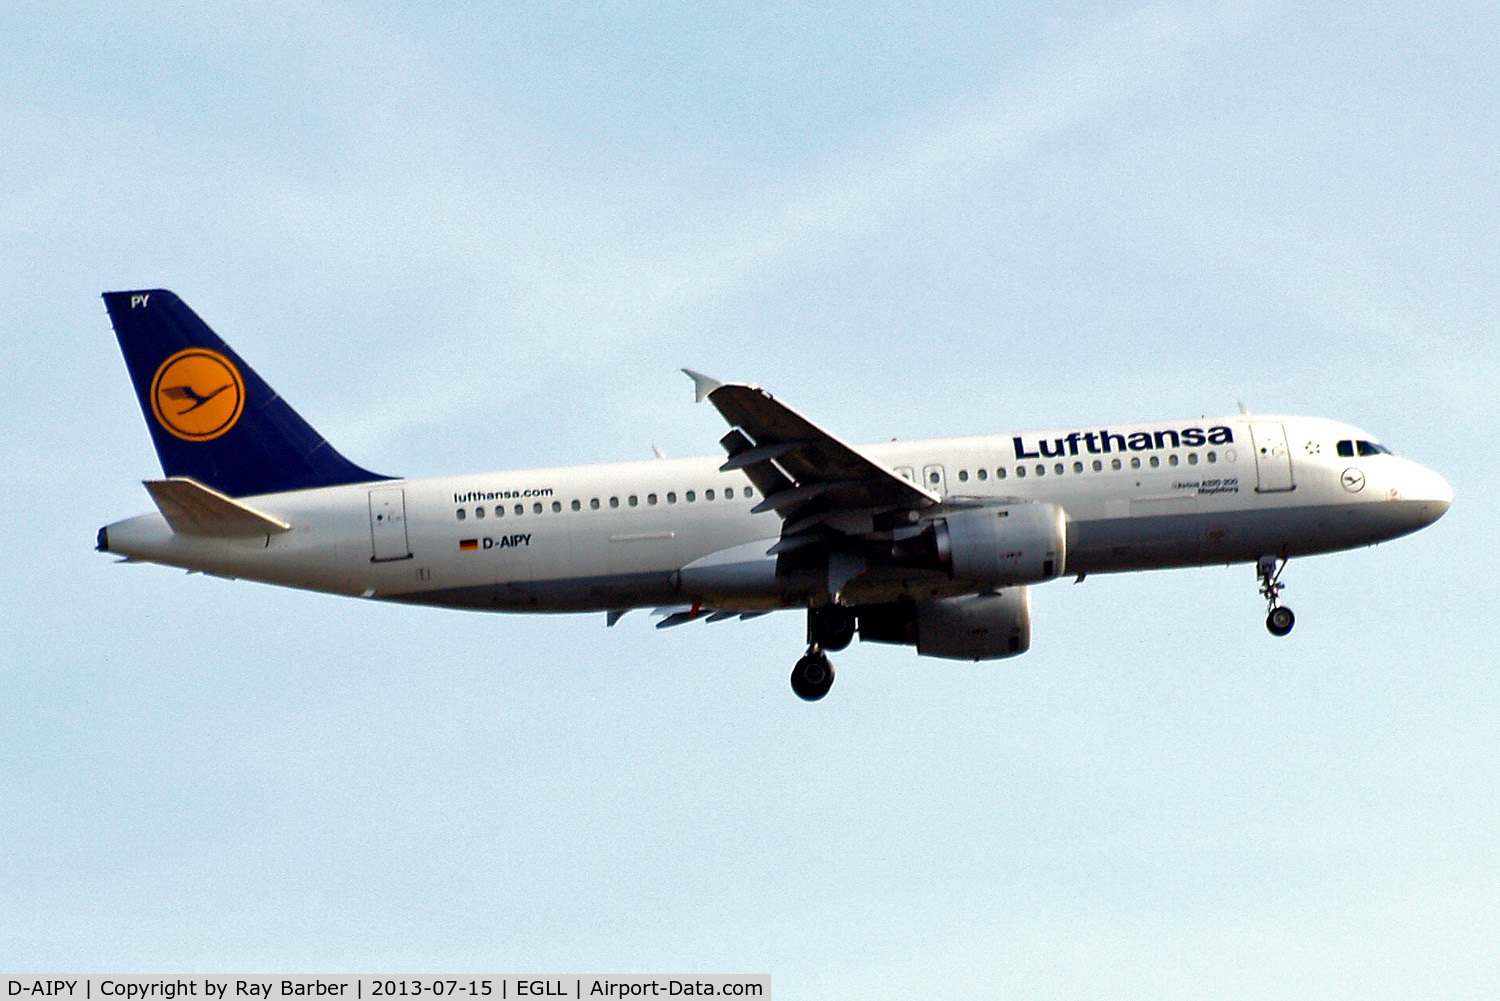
[813, 675]
[829, 627]
[1279, 618]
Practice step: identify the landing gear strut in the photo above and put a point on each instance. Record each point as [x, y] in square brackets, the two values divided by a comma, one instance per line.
[813, 675]
[1279, 618]
[829, 627]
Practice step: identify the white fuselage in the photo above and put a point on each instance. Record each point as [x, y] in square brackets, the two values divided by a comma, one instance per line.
[617, 536]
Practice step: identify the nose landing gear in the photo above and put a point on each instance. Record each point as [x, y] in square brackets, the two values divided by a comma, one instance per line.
[1279, 618]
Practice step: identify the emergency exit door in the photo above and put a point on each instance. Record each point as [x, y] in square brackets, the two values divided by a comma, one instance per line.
[388, 525]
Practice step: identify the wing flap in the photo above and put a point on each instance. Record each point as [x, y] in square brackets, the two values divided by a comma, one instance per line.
[759, 469]
[194, 509]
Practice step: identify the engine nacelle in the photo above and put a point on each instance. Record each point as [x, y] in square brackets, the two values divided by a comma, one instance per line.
[972, 627]
[1004, 544]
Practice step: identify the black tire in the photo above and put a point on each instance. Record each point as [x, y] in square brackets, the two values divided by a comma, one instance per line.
[812, 677]
[832, 626]
[1280, 621]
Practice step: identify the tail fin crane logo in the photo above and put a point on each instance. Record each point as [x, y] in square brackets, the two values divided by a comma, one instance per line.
[197, 394]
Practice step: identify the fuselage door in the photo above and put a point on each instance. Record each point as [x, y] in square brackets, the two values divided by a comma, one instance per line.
[933, 479]
[388, 525]
[1273, 459]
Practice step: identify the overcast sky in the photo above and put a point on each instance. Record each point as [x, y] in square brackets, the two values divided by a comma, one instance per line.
[488, 236]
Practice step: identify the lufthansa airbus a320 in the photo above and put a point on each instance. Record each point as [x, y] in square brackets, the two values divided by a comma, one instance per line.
[932, 544]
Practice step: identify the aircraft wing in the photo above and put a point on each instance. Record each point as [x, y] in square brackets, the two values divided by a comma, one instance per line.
[814, 481]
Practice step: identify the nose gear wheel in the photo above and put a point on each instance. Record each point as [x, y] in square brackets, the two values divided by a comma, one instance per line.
[1279, 618]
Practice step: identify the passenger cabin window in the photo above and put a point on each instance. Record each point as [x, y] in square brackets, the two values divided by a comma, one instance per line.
[594, 504]
[963, 476]
[983, 475]
[1000, 473]
[479, 513]
[614, 502]
[690, 496]
[536, 508]
[462, 514]
[520, 509]
[708, 495]
[499, 510]
[577, 506]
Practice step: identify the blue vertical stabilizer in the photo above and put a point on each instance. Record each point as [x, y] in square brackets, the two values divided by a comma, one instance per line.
[211, 417]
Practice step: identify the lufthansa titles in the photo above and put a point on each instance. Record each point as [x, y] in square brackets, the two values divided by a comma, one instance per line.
[1104, 441]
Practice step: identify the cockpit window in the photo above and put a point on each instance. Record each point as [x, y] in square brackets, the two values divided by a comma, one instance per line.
[1348, 448]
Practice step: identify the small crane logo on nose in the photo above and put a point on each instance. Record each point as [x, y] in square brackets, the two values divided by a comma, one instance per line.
[1353, 480]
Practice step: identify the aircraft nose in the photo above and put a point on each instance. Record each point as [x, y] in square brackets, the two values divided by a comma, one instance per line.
[1432, 490]
[1442, 495]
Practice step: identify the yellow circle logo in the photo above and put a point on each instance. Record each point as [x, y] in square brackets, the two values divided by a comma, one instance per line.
[197, 394]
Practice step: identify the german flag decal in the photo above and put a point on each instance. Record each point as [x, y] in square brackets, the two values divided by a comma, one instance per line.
[468, 544]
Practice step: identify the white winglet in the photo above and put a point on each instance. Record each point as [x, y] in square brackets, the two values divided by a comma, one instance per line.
[702, 384]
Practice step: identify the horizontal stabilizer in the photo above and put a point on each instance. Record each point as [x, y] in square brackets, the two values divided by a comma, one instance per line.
[193, 509]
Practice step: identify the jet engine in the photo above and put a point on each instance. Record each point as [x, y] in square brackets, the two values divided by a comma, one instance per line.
[993, 546]
[972, 627]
